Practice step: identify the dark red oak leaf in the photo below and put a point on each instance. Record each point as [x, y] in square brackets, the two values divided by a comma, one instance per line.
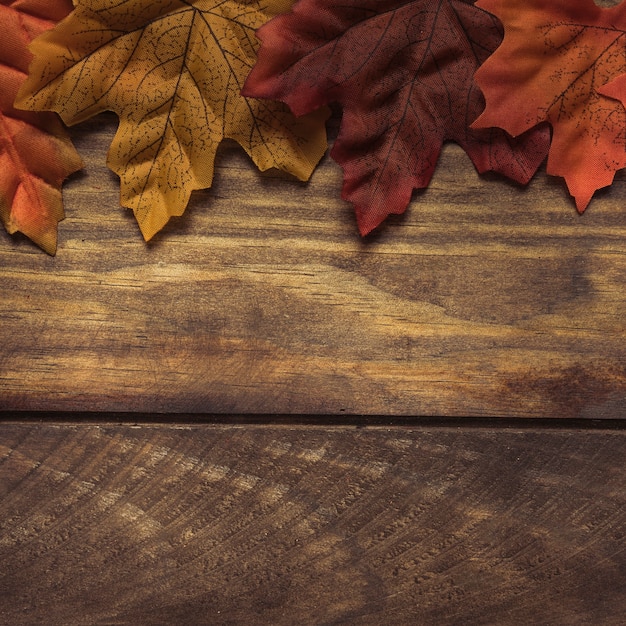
[403, 74]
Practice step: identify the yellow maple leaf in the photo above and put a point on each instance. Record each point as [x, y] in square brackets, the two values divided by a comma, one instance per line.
[172, 70]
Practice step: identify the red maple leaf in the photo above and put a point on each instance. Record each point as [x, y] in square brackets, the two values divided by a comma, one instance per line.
[554, 65]
[402, 72]
[35, 153]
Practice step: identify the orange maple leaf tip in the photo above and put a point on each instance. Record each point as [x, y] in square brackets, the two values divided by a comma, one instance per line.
[36, 155]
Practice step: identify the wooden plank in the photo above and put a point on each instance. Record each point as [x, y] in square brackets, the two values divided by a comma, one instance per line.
[483, 300]
[115, 524]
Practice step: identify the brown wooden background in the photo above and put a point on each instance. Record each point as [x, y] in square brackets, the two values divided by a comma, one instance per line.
[146, 478]
[485, 299]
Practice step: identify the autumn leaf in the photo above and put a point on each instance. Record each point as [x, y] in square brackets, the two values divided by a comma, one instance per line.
[615, 88]
[172, 70]
[36, 155]
[402, 71]
[554, 65]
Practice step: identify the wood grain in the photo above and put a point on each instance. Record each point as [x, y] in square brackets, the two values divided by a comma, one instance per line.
[484, 299]
[114, 524]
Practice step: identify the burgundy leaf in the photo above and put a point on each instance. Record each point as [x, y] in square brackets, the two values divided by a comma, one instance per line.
[403, 74]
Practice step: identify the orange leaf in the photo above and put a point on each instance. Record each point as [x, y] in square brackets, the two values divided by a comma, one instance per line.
[36, 155]
[552, 65]
[172, 71]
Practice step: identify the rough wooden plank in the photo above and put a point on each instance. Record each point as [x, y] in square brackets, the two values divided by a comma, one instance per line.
[309, 525]
[483, 300]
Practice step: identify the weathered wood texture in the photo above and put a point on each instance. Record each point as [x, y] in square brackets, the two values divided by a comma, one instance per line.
[311, 525]
[485, 299]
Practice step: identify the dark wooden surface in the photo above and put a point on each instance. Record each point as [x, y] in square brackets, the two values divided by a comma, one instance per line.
[484, 299]
[209, 524]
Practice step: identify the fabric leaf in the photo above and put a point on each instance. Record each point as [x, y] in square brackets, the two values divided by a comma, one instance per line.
[402, 71]
[36, 155]
[552, 66]
[172, 70]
